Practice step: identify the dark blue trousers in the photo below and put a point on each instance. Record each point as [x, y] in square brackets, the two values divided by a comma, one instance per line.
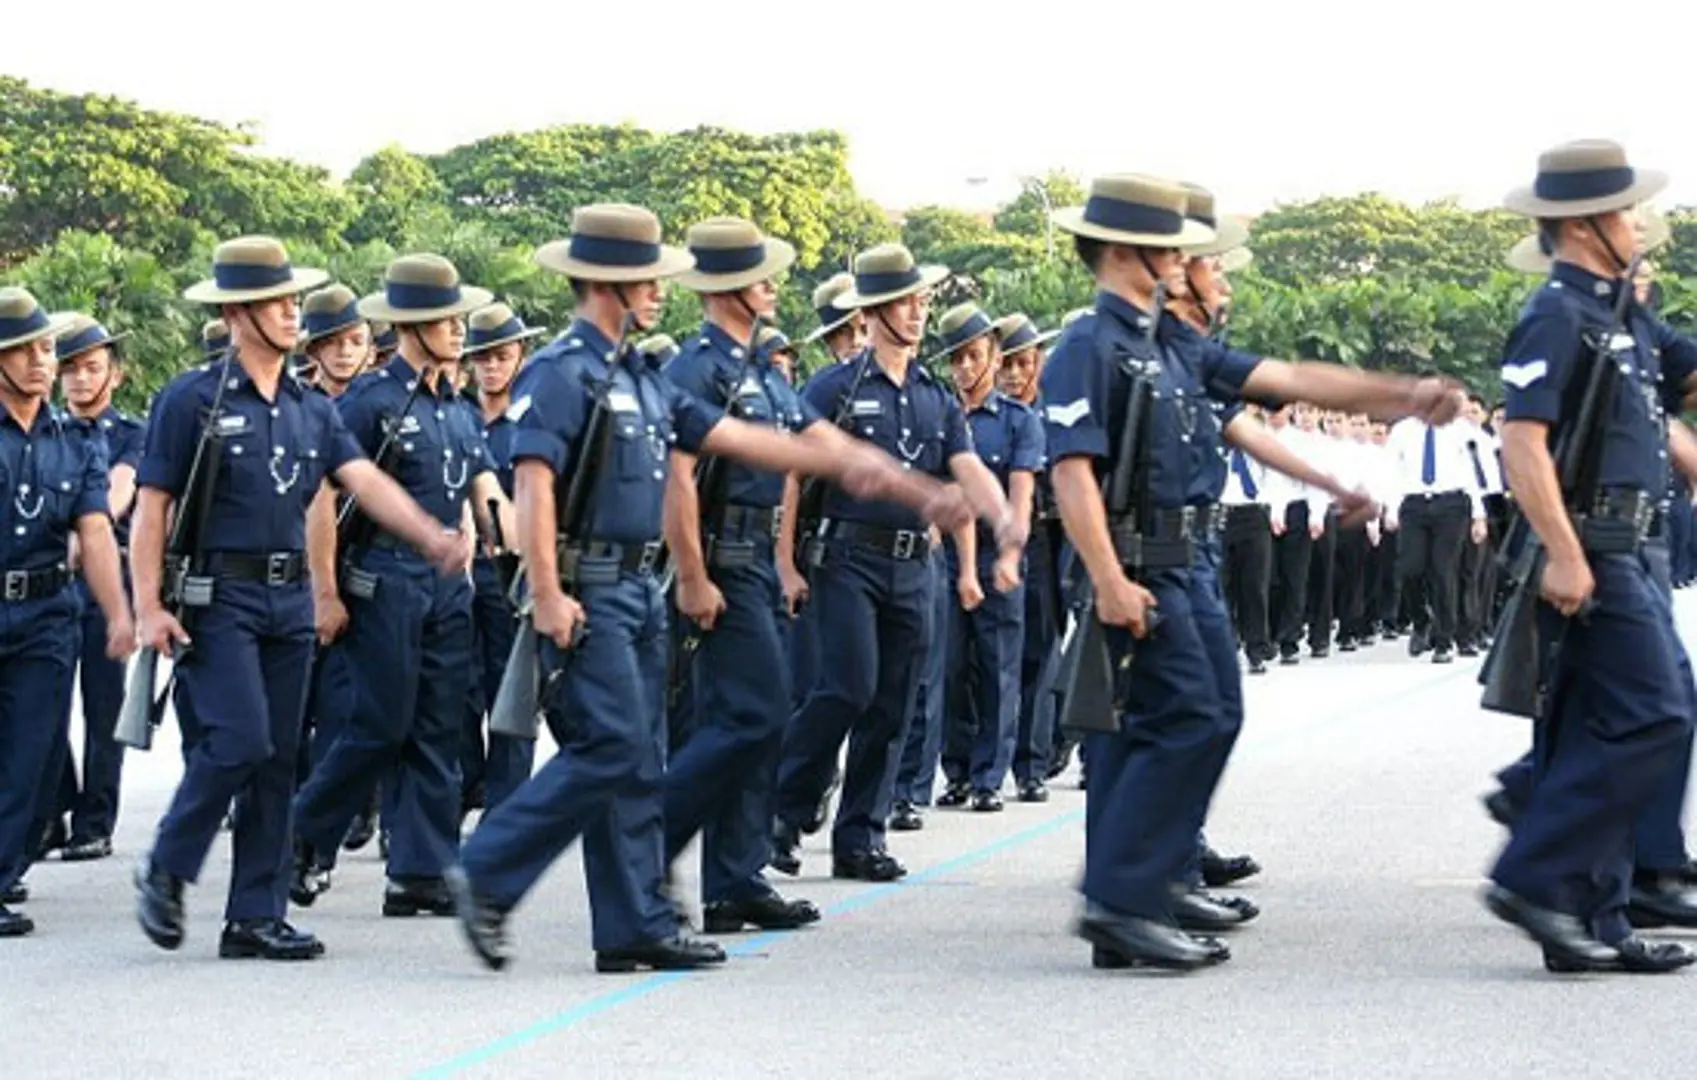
[94, 811]
[1619, 724]
[871, 620]
[1034, 744]
[1219, 638]
[38, 642]
[803, 656]
[981, 696]
[332, 700]
[922, 745]
[603, 704]
[248, 678]
[56, 791]
[505, 763]
[1145, 804]
[719, 783]
[410, 650]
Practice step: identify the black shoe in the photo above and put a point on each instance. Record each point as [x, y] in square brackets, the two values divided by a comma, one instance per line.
[867, 866]
[1108, 960]
[267, 939]
[310, 878]
[1197, 911]
[53, 837]
[15, 923]
[1637, 957]
[159, 906]
[986, 802]
[1661, 900]
[403, 899]
[1219, 870]
[770, 912]
[1289, 659]
[822, 812]
[1033, 791]
[956, 794]
[484, 924]
[673, 954]
[1257, 666]
[1346, 645]
[1467, 649]
[1062, 759]
[1418, 644]
[1688, 873]
[905, 817]
[1390, 633]
[382, 843]
[87, 850]
[360, 832]
[1442, 655]
[1502, 809]
[1320, 653]
[785, 858]
[1563, 936]
[17, 894]
[1145, 943]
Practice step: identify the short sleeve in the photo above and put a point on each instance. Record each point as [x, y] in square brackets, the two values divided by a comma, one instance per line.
[1075, 410]
[692, 372]
[1538, 362]
[339, 446]
[692, 416]
[92, 494]
[809, 414]
[172, 433]
[1027, 450]
[548, 414]
[1678, 364]
[957, 436]
[1224, 371]
[823, 393]
[358, 409]
[127, 447]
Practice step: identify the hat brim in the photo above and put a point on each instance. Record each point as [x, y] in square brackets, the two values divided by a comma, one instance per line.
[780, 256]
[300, 280]
[827, 329]
[1038, 342]
[484, 346]
[1646, 183]
[1192, 234]
[1528, 258]
[308, 339]
[56, 325]
[943, 356]
[556, 256]
[1236, 259]
[1229, 235]
[376, 306]
[101, 344]
[929, 277]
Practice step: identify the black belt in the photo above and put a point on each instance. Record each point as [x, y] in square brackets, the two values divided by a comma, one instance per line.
[1243, 510]
[751, 521]
[600, 562]
[896, 543]
[16, 586]
[273, 568]
[1169, 541]
[1619, 522]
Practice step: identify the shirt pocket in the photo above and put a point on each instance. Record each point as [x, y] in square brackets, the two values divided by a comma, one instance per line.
[639, 447]
[247, 462]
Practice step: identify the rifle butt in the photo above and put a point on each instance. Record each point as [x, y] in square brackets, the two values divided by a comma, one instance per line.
[1088, 707]
[1512, 672]
[136, 720]
[514, 711]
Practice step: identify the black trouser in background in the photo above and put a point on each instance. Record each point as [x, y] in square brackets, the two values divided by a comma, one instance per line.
[1385, 595]
[1428, 561]
[1474, 602]
[1245, 576]
[1322, 585]
[1354, 617]
[1289, 594]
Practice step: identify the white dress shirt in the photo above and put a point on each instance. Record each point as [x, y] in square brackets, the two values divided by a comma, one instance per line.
[1234, 495]
[1281, 490]
[1452, 464]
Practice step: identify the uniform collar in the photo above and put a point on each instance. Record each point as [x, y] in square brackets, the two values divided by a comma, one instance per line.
[714, 336]
[44, 416]
[1123, 311]
[915, 370]
[585, 335]
[1584, 282]
[405, 373]
[288, 383]
[991, 404]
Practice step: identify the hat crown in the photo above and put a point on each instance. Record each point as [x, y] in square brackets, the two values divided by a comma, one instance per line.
[1009, 325]
[422, 269]
[215, 330]
[330, 300]
[616, 221]
[78, 324]
[264, 251]
[884, 259]
[826, 294]
[1583, 155]
[1199, 203]
[958, 317]
[1140, 190]
[724, 233]
[771, 339]
[17, 303]
[491, 317]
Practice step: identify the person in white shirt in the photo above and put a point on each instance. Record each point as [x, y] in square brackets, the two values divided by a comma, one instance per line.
[1329, 452]
[1384, 591]
[1247, 548]
[1477, 583]
[1441, 509]
[1361, 465]
[1298, 520]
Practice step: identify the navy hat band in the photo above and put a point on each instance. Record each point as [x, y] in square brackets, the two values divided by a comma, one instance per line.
[32, 323]
[829, 315]
[1122, 216]
[510, 329]
[611, 251]
[973, 327]
[326, 322]
[79, 343]
[242, 276]
[1588, 184]
[728, 260]
[404, 296]
[388, 339]
[216, 344]
[1022, 338]
[893, 281]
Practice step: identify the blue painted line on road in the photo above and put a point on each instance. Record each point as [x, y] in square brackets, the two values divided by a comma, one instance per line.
[847, 906]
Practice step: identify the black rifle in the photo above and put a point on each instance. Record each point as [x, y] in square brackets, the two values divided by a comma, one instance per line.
[1093, 688]
[810, 505]
[505, 559]
[354, 530]
[1515, 671]
[187, 587]
[518, 702]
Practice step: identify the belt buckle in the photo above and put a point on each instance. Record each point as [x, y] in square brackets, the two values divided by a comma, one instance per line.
[277, 569]
[650, 557]
[16, 586]
[777, 521]
[906, 541]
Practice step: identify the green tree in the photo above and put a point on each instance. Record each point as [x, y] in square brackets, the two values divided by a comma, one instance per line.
[394, 190]
[1026, 214]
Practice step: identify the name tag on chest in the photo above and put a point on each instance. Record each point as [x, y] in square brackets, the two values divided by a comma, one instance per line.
[233, 424]
[867, 407]
[623, 402]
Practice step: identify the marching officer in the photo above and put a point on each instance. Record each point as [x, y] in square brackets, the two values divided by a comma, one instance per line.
[53, 481]
[870, 582]
[246, 663]
[604, 643]
[409, 637]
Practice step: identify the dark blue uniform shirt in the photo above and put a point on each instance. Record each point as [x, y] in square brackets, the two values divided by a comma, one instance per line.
[1543, 373]
[1007, 435]
[552, 405]
[126, 438]
[50, 476]
[439, 448]
[707, 367]
[274, 455]
[1086, 383]
[919, 423]
[1208, 453]
[498, 437]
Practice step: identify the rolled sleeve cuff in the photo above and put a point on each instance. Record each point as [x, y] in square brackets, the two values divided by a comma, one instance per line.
[542, 446]
[158, 474]
[1066, 443]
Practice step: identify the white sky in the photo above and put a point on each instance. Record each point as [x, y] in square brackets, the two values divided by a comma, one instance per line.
[1262, 100]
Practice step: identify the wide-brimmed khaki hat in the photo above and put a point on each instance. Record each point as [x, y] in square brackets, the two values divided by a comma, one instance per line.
[614, 243]
[885, 273]
[825, 297]
[422, 289]
[384, 338]
[494, 326]
[330, 310]
[960, 326]
[1230, 233]
[214, 336]
[249, 269]
[771, 341]
[1578, 179]
[82, 333]
[23, 320]
[1236, 259]
[659, 348]
[1017, 333]
[1529, 257]
[1142, 211]
[730, 254]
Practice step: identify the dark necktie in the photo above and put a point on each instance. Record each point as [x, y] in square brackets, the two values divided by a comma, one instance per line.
[1240, 466]
[1478, 466]
[1429, 459]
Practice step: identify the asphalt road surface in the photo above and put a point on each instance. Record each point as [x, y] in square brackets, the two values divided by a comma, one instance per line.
[1356, 784]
